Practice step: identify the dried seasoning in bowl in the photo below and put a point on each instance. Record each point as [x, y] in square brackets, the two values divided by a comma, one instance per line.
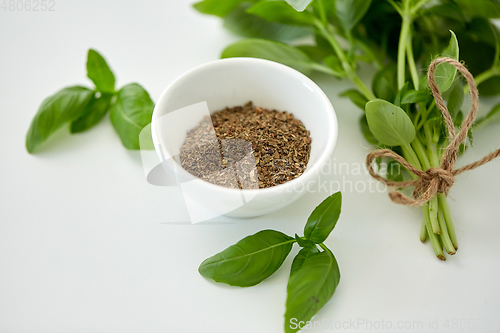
[247, 147]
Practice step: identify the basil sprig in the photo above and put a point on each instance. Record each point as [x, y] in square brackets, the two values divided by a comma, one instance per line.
[314, 274]
[83, 108]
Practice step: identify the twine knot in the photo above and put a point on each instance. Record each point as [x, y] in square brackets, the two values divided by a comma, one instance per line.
[443, 178]
[440, 179]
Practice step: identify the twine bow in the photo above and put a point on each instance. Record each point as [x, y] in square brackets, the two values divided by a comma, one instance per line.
[435, 180]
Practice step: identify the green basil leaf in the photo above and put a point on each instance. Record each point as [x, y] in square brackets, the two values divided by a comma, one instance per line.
[310, 287]
[251, 26]
[401, 93]
[458, 119]
[281, 12]
[270, 50]
[98, 71]
[64, 106]
[365, 129]
[314, 52]
[323, 44]
[384, 84]
[490, 87]
[303, 242]
[445, 73]
[478, 42]
[323, 219]
[455, 98]
[389, 123]
[302, 256]
[448, 10]
[325, 6]
[415, 96]
[95, 110]
[250, 261]
[438, 128]
[299, 5]
[216, 7]
[350, 12]
[335, 64]
[484, 8]
[146, 141]
[130, 113]
[356, 97]
[395, 171]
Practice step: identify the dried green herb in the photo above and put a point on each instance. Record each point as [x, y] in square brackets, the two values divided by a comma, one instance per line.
[219, 149]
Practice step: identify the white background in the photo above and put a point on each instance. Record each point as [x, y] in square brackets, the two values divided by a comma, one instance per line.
[87, 245]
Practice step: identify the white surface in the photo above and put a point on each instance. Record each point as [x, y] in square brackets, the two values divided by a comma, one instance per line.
[84, 241]
[229, 82]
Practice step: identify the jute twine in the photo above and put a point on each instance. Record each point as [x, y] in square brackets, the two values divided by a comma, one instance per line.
[435, 180]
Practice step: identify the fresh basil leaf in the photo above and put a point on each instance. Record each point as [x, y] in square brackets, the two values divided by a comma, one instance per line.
[448, 10]
[423, 85]
[216, 7]
[438, 128]
[130, 113]
[335, 64]
[455, 98]
[250, 261]
[64, 106]
[325, 6]
[356, 97]
[95, 110]
[314, 52]
[323, 219]
[281, 12]
[303, 242]
[251, 26]
[415, 96]
[382, 26]
[401, 93]
[323, 44]
[302, 256]
[389, 123]
[98, 71]
[310, 287]
[484, 8]
[490, 87]
[365, 129]
[299, 5]
[384, 84]
[458, 119]
[350, 12]
[478, 42]
[445, 73]
[146, 141]
[270, 50]
[395, 171]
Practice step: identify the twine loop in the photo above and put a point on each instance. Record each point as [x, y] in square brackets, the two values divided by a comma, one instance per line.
[441, 179]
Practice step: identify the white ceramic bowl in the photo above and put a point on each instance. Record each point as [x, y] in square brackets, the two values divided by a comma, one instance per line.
[232, 82]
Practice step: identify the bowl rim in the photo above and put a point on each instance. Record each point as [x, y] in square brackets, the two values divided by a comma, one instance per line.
[328, 109]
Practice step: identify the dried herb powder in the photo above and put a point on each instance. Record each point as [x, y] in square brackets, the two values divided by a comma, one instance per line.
[247, 147]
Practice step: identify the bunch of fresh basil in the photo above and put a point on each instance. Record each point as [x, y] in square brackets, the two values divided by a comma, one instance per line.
[314, 274]
[399, 39]
[82, 108]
